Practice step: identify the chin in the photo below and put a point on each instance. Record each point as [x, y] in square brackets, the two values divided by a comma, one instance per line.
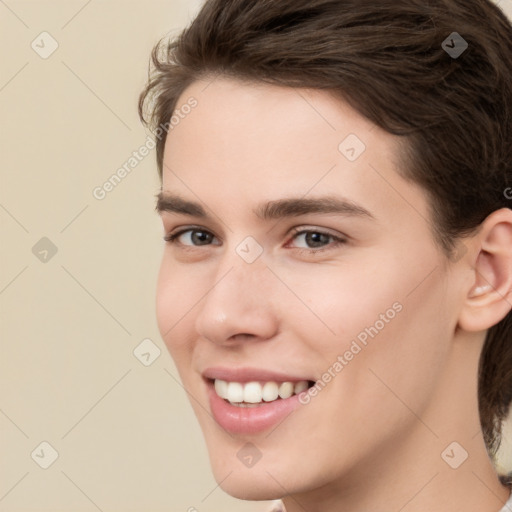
[269, 479]
[245, 485]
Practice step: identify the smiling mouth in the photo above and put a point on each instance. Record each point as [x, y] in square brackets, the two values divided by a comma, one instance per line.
[256, 393]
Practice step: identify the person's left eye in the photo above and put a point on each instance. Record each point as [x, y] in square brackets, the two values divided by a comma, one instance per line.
[314, 240]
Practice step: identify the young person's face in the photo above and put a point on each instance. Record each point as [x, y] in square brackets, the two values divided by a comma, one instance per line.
[371, 316]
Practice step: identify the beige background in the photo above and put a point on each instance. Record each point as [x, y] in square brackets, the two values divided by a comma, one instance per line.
[124, 432]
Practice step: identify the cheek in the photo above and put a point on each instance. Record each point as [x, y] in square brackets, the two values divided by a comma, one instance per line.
[176, 297]
[402, 339]
[334, 305]
[388, 318]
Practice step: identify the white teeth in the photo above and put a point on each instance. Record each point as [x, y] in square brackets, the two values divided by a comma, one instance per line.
[243, 404]
[286, 390]
[221, 387]
[270, 391]
[300, 387]
[235, 392]
[252, 393]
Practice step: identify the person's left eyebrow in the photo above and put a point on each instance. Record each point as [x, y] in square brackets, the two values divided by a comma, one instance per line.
[272, 210]
[294, 207]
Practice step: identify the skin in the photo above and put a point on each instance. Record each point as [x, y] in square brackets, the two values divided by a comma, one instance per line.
[372, 438]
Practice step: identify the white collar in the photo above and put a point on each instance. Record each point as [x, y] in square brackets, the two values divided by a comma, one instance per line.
[508, 505]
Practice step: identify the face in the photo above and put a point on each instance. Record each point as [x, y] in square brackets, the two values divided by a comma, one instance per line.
[297, 255]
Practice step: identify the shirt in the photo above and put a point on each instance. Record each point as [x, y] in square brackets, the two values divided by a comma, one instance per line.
[278, 506]
[507, 507]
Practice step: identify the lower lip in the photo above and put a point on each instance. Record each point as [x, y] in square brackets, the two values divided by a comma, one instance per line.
[250, 420]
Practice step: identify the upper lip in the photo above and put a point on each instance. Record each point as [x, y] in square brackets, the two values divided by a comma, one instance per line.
[248, 374]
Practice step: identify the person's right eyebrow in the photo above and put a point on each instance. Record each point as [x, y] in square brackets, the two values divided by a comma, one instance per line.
[172, 203]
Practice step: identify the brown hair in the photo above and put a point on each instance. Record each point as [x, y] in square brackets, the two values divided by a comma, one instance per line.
[387, 59]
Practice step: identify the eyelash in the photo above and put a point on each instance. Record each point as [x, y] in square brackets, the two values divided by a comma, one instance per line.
[337, 240]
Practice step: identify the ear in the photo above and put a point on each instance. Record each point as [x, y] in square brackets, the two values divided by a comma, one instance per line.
[489, 297]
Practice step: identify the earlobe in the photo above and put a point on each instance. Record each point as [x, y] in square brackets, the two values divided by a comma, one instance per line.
[488, 300]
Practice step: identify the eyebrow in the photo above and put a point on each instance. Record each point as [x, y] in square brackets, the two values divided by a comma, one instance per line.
[272, 210]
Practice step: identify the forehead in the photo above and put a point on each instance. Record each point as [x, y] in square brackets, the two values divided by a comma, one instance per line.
[239, 120]
[249, 142]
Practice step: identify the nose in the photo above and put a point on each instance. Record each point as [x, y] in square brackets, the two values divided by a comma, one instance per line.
[239, 306]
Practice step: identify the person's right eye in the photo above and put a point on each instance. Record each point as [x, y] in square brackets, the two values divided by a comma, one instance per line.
[191, 237]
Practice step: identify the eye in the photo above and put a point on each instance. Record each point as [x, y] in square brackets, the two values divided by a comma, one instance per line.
[311, 239]
[191, 237]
